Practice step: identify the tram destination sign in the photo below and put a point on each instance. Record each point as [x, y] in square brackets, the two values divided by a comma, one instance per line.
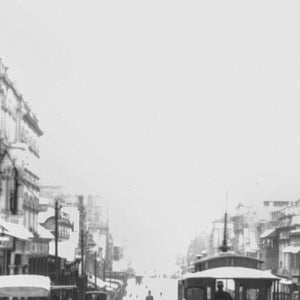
[6, 242]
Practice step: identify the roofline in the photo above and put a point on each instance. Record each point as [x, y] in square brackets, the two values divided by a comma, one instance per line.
[211, 257]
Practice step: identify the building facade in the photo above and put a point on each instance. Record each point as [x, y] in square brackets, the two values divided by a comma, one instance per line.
[19, 186]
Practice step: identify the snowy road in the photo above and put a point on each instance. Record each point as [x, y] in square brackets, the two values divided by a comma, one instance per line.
[161, 289]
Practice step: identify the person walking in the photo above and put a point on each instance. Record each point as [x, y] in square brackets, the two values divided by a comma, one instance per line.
[149, 296]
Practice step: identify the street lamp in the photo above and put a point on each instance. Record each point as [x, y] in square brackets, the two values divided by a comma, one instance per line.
[57, 266]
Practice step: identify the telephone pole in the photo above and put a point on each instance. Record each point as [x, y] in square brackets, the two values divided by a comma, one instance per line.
[56, 244]
[95, 270]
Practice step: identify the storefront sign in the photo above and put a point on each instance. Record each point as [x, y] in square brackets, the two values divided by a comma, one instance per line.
[6, 242]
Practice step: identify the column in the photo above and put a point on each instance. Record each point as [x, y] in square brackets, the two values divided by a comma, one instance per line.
[12, 263]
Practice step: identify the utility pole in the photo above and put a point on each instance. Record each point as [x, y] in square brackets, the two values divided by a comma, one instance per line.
[82, 253]
[95, 270]
[56, 243]
[83, 282]
[104, 268]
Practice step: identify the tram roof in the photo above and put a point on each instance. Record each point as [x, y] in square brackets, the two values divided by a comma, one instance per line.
[24, 286]
[232, 273]
[226, 254]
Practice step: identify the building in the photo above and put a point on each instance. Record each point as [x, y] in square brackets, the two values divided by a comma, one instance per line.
[19, 187]
[98, 227]
[247, 229]
[72, 205]
[280, 243]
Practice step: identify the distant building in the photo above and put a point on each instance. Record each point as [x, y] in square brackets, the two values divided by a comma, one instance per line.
[280, 243]
[247, 229]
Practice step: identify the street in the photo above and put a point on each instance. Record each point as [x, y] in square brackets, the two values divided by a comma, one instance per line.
[161, 289]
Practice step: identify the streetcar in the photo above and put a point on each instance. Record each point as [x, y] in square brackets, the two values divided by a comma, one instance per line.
[239, 276]
[24, 286]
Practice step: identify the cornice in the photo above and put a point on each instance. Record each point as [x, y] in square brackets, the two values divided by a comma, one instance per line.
[33, 123]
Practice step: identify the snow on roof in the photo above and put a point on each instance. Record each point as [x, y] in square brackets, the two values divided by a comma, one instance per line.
[232, 273]
[24, 286]
[285, 281]
[268, 233]
[111, 284]
[291, 249]
[44, 233]
[117, 281]
[100, 283]
[16, 230]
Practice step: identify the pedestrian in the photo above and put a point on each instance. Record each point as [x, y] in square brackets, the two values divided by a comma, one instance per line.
[220, 294]
[149, 297]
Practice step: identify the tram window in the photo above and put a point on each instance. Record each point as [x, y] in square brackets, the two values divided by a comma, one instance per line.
[228, 286]
[252, 294]
[195, 294]
[257, 294]
[241, 293]
[208, 293]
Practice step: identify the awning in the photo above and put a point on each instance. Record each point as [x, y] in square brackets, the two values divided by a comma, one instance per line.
[44, 233]
[16, 230]
[291, 249]
[100, 283]
[111, 284]
[24, 286]
[268, 233]
[114, 280]
[285, 281]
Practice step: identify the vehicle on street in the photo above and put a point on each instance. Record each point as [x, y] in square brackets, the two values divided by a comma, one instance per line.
[24, 286]
[240, 276]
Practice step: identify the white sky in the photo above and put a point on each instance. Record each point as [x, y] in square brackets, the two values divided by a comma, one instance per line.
[162, 107]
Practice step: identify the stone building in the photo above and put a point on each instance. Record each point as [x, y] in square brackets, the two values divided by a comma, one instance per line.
[19, 186]
[247, 227]
[280, 243]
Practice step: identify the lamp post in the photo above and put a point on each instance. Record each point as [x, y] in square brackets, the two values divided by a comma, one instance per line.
[57, 267]
[95, 269]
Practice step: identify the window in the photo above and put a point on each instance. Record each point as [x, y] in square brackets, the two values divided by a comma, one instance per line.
[13, 191]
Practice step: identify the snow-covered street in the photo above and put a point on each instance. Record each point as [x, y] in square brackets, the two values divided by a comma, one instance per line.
[161, 289]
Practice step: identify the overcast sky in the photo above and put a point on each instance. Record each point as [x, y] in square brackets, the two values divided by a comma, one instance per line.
[162, 107]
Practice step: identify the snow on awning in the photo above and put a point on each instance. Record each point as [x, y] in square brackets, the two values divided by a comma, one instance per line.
[24, 286]
[16, 230]
[285, 281]
[111, 284]
[291, 249]
[268, 233]
[100, 283]
[232, 273]
[44, 233]
[117, 281]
